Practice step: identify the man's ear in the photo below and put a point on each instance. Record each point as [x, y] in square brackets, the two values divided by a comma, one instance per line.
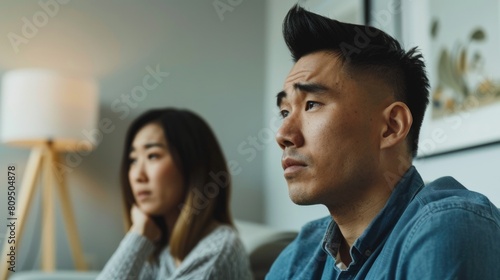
[397, 123]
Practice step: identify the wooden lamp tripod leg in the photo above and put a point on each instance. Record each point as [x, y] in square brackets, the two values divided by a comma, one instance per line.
[69, 221]
[48, 245]
[25, 197]
[44, 157]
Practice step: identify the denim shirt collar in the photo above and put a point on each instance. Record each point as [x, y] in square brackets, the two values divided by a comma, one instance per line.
[409, 185]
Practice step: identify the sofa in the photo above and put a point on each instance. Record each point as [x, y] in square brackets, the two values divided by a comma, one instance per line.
[262, 243]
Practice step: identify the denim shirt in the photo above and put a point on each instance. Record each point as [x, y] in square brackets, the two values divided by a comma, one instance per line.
[437, 231]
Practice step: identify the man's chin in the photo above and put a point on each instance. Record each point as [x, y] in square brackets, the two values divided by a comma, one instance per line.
[300, 198]
[303, 202]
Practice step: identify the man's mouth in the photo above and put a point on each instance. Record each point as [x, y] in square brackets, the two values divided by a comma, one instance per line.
[291, 165]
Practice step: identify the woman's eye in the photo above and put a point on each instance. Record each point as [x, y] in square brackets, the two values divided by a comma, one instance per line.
[132, 161]
[284, 113]
[311, 104]
[153, 156]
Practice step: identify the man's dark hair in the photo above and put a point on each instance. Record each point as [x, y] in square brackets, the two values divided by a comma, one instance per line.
[363, 49]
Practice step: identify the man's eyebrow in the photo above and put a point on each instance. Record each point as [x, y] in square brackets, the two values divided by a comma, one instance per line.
[279, 98]
[310, 88]
[306, 88]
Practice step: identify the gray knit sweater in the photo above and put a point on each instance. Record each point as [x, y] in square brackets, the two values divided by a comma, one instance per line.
[219, 255]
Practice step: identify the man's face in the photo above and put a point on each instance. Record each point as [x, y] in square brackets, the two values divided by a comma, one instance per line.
[330, 132]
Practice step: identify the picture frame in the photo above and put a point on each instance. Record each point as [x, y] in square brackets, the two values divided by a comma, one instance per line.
[459, 40]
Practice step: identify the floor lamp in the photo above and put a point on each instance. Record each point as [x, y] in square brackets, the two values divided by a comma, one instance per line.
[47, 112]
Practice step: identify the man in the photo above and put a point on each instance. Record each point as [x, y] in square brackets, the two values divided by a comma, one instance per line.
[352, 107]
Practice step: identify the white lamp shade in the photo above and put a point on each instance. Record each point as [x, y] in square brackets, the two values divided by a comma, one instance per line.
[41, 105]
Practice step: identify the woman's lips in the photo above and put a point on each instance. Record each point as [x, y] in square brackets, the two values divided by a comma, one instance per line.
[142, 195]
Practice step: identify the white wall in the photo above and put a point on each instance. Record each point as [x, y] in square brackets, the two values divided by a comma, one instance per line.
[280, 211]
[215, 69]
[477, 168]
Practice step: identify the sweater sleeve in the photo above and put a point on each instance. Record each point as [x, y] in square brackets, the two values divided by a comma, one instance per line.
[129, 260]
[220, 255]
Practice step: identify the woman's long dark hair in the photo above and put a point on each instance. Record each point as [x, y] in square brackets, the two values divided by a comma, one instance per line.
[207, 183]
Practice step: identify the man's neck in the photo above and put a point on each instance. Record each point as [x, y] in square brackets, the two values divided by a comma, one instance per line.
[353, 218]
[356, 214]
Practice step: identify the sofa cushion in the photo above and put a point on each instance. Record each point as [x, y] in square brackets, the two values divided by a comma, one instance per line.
[57, 275]
[263, 245]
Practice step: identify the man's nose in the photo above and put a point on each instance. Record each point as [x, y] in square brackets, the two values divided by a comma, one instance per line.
[290, 132]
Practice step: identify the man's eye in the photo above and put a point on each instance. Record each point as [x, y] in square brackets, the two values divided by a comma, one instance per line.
[284, 113]
[311, 104]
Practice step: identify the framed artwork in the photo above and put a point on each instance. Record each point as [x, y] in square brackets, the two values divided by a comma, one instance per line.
[460, 41]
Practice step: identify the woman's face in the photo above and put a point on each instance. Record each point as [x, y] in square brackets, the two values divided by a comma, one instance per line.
[156, 181]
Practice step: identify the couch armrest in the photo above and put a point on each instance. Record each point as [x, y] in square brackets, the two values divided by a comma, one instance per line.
[263, 245]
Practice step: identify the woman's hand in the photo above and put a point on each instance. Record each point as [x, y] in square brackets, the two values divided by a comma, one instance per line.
[143, 224]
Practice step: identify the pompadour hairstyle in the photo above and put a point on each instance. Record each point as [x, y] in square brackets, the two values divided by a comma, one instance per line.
[364, 50]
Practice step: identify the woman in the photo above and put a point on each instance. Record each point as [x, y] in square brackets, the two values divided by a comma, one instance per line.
[176, 188]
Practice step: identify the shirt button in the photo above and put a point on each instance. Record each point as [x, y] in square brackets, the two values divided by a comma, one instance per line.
[368, 253]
